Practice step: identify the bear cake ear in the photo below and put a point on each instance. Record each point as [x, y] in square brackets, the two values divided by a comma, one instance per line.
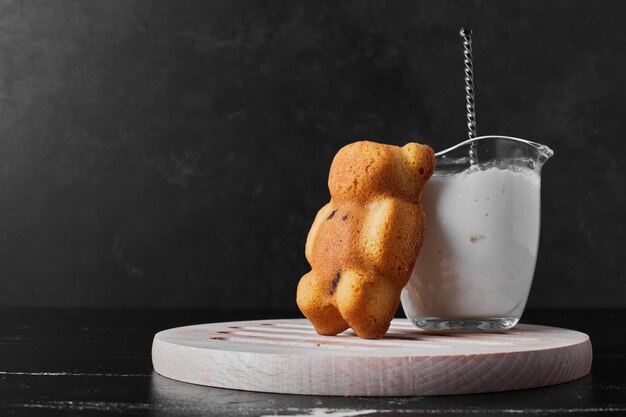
[363, 244]
[419, 158]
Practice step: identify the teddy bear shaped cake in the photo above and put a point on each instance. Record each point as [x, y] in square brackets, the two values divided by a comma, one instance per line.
[363, 244]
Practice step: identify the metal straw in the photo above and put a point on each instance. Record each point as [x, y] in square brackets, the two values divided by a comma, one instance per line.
[470, 103]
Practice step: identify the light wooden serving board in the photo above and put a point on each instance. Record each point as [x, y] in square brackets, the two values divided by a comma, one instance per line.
[287, 356]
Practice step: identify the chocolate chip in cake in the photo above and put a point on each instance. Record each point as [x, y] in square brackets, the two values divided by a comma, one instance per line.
[334, 283]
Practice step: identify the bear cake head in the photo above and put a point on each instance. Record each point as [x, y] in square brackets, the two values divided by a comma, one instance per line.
[363, 244]
[368, 169]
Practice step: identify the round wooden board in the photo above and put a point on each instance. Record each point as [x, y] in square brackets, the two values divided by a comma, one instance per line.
[287, 356]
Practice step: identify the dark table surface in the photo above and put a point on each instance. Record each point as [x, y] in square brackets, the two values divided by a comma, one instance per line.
[97, 361]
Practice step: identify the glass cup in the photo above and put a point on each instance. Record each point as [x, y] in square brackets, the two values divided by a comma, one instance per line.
[477, 261]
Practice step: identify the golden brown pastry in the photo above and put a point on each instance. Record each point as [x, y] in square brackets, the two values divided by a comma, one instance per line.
[363, 245]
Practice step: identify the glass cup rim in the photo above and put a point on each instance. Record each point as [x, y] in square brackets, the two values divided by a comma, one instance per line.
[545, 150]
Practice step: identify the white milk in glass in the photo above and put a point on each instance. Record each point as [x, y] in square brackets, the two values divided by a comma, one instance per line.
[478, 256]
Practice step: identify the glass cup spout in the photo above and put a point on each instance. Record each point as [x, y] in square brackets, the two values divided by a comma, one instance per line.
[477, 261]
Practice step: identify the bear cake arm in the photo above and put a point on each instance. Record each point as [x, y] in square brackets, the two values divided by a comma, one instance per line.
[391, 237]
[322, 215]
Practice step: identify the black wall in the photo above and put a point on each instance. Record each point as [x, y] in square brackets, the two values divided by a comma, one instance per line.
[157, 153]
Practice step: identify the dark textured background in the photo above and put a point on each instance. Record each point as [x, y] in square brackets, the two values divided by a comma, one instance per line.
[175, 153]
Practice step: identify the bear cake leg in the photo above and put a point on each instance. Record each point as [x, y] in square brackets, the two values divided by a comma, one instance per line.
[320, 311]
[367, 303]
